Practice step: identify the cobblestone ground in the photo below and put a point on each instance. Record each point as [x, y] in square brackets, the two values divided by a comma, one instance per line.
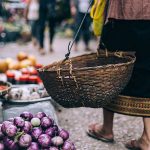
[76, 120]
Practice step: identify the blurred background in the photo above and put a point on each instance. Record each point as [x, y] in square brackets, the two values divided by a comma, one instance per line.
[44, 28]
[35, 33]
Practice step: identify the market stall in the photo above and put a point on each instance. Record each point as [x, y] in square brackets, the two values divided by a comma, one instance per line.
[36, 130]
[13, 26]
[21, 96]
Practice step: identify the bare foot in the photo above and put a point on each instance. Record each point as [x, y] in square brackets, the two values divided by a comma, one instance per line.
[42, 51]
[141, 144]
[51, 50]
[133, 145]
[34, 41]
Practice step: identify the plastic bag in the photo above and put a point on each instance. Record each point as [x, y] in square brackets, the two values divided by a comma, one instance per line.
[97, 14]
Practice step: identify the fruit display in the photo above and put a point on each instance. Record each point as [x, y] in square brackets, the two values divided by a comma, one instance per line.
[21, 56]
[23, 61]
[21, 70]
[33, 132]
[3, 65]
[27, 75]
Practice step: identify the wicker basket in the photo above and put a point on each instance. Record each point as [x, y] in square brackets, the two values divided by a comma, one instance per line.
[88, 80]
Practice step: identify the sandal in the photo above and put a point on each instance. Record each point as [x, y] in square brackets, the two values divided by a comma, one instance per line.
[51, 50]
[133, 145]
[92, 132]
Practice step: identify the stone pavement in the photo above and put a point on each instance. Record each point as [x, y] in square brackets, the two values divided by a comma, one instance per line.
[76, 120]
[60, 49]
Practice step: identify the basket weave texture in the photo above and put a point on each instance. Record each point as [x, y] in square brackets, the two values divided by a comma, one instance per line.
[88, 80]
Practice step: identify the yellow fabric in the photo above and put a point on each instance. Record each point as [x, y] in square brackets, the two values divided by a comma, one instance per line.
[97, 14]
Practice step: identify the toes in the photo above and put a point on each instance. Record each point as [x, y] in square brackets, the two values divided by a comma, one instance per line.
[93, 127]
[98, 128]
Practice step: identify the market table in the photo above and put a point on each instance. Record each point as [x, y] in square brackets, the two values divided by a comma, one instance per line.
[8, 110]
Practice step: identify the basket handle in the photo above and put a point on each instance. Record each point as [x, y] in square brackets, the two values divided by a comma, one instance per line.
[119, 54]
[99, 52]
[70, 72]
[71, 43]
[59, 68]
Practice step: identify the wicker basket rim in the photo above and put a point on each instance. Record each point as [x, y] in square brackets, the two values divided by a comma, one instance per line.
[125, 55]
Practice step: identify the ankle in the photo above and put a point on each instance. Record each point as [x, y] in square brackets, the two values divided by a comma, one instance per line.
[107, 130]
[145, 142]
[145, 137]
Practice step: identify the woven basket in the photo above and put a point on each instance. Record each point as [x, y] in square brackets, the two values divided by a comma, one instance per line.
[88, 80]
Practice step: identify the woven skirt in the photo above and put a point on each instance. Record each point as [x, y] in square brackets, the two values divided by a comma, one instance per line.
[131, 36]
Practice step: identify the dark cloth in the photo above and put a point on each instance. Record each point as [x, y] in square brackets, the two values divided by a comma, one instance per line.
[34, 28]
[47, 8]
[85, 31]
[132, 36]
[52, 24]
[42, 24]
[1, 9]
[46, 14]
